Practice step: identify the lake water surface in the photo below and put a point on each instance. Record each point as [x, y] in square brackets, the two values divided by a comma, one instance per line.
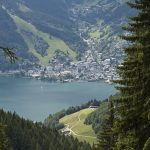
[35, 99]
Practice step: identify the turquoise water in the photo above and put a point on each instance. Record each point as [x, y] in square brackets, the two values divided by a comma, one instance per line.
[35, 99]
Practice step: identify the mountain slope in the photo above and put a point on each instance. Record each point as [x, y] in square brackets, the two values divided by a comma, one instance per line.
[76, 26]
[75, 124]
[39, 43]
[26, 135]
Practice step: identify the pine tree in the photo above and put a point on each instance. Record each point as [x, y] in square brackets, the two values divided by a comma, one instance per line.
[132, 124]
[4, 144]
[106, 137]
[147, 145]
[8, 52]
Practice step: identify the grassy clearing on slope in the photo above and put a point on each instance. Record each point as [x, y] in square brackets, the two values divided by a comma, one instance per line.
[95, 34]
[24, 8]
[54, 43]
[75, 122]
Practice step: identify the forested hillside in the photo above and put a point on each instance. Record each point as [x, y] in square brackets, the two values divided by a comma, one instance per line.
[25, 135]
[97, 118]
[122, 122]
[128, 123]
[52, 120]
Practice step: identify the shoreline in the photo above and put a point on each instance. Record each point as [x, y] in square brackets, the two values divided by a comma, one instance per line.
[36, 99]
[47, 79]
[7, 74]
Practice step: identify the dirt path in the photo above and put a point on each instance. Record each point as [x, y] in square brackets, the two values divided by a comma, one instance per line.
[70, 129]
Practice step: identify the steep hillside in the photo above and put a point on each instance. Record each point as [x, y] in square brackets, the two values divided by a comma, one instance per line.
[36, 33]
[37, 29]
[26, 135]
[75, 125]
[98, 117]
[39, 43]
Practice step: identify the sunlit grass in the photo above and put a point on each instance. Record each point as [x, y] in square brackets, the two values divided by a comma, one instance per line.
[95, 34]
[54, 43]
[76, 123]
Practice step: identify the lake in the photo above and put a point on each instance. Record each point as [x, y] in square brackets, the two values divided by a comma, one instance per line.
[34, 99]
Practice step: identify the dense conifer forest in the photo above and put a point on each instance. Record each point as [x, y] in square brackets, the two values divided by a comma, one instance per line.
[128, 126]
[19, 134]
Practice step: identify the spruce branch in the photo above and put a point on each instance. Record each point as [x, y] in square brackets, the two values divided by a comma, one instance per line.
[9, 54]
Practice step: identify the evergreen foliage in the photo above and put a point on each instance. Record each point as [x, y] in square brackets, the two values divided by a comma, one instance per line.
[52, 121]
[98, 118]
[4, 143]
[130, 127]
[106, 137]
[147, 145]
[26, 135]
[132, 123]
[9, 54]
